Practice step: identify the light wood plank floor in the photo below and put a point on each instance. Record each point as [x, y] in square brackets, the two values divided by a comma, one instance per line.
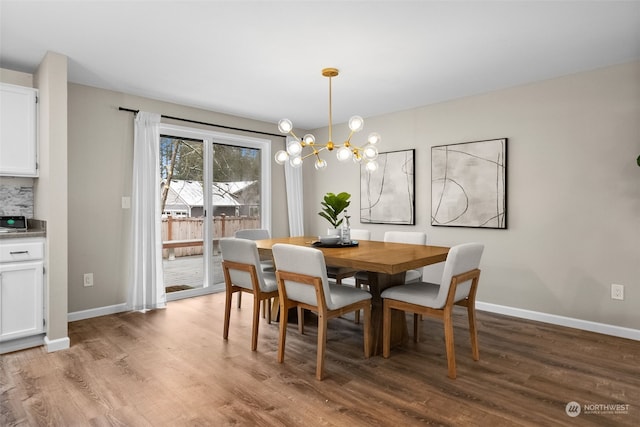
[172, 368]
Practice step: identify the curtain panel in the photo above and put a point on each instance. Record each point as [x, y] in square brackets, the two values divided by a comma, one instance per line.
[146, 285]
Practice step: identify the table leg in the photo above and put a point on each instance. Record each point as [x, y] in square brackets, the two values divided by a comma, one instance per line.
[378, 282]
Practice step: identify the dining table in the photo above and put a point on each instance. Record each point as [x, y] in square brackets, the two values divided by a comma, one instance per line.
[385, 263]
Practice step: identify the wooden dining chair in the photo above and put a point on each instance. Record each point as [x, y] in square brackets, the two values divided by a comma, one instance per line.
[340, 273]
[243, 273]
[266, 264]
[458, 287]
[302, 283]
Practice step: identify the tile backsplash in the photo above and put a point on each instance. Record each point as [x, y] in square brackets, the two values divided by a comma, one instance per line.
[16, 199]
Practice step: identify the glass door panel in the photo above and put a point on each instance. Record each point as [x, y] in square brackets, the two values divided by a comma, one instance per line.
[183, 213]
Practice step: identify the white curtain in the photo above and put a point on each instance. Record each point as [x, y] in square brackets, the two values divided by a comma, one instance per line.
[146, 284]
[293, 181]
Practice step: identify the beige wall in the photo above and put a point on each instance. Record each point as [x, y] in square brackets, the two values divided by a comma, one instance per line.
[100, 165]
[573, 189]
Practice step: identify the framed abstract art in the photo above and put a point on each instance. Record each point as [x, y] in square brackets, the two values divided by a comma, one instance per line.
[469, 184]
[387, 196]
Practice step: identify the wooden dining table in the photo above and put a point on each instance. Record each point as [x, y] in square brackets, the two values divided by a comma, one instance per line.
[386, 264]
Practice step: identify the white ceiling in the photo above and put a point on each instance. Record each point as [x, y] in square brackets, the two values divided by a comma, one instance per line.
[263, 59]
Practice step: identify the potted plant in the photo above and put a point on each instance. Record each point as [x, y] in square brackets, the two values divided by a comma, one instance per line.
[332, 206]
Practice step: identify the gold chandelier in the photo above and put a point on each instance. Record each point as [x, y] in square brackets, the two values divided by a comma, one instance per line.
[344, 152]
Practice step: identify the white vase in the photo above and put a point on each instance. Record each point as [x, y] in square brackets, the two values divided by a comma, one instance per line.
[333, 231]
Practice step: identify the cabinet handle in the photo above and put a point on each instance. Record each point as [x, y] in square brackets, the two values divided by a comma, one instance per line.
[18, 252]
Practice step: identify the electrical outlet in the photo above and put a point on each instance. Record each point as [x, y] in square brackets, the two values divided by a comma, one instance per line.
[617, 291]
[88, 279]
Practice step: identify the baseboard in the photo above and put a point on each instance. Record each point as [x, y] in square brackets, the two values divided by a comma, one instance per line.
[57, 344]
[21, 343]
[96, 312]
[586, 325]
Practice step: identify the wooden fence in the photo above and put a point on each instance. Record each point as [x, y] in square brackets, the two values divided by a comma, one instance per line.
[183, 236]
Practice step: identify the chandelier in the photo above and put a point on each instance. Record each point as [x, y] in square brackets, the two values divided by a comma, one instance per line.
[344, 152]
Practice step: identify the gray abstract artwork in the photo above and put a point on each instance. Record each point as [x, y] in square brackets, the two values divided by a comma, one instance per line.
[469, 184]
[387, 195]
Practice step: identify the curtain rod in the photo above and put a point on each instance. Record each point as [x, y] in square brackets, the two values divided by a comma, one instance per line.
[207, 124]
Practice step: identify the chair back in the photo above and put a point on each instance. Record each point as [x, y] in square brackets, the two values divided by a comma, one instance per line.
[411, 237]
[307, 261]
[242, 251]
[360, 234]
[253, 234]
[461, 258]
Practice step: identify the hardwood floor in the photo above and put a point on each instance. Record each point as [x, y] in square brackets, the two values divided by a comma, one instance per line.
[172, 367]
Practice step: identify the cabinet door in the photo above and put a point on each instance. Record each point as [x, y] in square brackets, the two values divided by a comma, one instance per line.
[21, 300]
[18, 131]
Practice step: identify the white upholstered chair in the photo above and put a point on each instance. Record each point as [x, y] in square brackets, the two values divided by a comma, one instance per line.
[410, 237]
[339, 274]
[458, 286]
[302, 283]
[243, 273]
[266, 264]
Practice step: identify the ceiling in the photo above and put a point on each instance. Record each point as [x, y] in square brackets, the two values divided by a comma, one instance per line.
[263, 59]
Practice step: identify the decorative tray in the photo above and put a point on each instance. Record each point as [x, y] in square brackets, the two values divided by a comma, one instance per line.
[319, 244]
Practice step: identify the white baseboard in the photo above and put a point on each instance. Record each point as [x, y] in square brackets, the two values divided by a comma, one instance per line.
[586, 325]
[96, 312]
[21, 343]
[57, 344]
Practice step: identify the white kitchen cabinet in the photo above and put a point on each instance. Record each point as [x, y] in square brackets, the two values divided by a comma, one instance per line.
[21, 288]
[18, 131]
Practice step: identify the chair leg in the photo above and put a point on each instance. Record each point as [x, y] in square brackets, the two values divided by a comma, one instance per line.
[239, 299]
[268, 310]
[386, 329]
[283, 333]
[449, 343]
[322, 341]
[227, 314]
[264, 308]
[301, 320]
[473, 331]
[256, 322]
[367, 332]
[357, 315]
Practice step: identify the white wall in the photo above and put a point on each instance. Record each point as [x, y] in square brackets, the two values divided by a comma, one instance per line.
[573, 189]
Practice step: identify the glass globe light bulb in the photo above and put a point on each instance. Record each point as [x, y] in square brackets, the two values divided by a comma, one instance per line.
[294, 148]
[281, 157]
[320, 164]
[343, 154]
[370, 152]
[374, 138]
[309, 139]
[295, 162]
[285, 125]
[372, 166]
[356, 123]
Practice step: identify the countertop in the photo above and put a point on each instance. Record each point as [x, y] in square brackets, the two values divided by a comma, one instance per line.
[35, 228]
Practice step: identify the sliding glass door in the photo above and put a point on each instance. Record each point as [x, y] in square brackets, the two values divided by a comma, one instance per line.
[212, 185]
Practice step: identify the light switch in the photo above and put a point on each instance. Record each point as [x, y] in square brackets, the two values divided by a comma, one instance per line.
[126, 202]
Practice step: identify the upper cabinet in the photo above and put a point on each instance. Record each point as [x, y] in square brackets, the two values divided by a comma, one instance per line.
[18, 131]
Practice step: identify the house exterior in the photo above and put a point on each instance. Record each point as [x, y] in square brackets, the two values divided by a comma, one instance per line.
[186, 198]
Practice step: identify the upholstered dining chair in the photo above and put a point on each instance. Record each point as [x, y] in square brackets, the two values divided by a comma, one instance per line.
[458, 286]
[410, 237]
[340, 273]
[266, 264]
[243, 273]
[302, 283]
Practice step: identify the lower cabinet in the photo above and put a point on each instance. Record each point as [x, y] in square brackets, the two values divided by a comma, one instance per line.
[21, 295]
